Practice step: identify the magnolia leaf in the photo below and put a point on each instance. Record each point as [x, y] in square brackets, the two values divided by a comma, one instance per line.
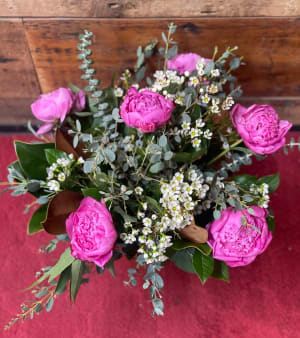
[77, 269]
[35, 223]
[92, 192]
[183, 260]
[245, 180]
[220, 270]
[64, 261]
[53, 155]
[32, 158]
[203, 265]
[204, 248]
[60, 207]
[64, 142]
[272, 181]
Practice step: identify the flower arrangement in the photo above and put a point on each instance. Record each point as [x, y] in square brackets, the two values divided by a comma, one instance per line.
[146, 169]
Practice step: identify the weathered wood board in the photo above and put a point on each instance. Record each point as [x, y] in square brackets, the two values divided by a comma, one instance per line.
[18, 82]
[148, 8]
[17, 73]
[271, 48]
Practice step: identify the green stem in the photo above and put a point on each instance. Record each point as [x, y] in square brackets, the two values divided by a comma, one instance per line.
[225, 151]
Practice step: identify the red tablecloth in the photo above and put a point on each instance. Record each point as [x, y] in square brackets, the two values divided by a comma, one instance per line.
[262, 299]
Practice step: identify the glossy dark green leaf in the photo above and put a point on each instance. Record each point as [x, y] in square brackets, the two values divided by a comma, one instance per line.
[64, 277]
[220, 270]
[271, 221]
[53, 155]
[92, 192]
[180, 244]
[203, 265]
[77, 269]
[186, 157]
[183, 260]
[111, 267]
[35, 223]
[32, 158]
[245, 180]
[272, 180]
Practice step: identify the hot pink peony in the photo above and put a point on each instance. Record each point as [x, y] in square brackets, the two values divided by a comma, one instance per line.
[260, 128]
[145, 110]
[92, 232]
[79, 101]
[238, 244]
[55, 106]
[184, 62]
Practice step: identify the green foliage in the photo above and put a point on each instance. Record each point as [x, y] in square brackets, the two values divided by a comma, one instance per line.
[39, 216]
[272, 181]
[77, 269]
[184, 259]
[32, 158]
[271, 221]
[220, 271]
[53, 155]
[245, 181]
[64, 277]
[180, 244]
[203, 265]
[64, 261]
[92, 192]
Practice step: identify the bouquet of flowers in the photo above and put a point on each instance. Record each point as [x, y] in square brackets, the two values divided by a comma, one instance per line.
[145, 169]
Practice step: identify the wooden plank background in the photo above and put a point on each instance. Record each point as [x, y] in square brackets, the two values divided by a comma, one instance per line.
[39, 54]
[148, 8]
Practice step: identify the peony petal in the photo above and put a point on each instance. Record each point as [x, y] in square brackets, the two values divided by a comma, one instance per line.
[45, 128]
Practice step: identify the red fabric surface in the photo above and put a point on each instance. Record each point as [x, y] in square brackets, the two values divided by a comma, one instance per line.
[262, 299]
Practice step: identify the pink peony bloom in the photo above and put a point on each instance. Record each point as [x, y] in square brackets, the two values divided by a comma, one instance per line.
[55, 106]
[185, 62]
[260, 128]
[238, 244]
[145, 110]
[79, 101]
[92, 232]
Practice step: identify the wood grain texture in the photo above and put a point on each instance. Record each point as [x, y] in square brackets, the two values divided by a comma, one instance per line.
[17, 73]
[271, 48]
[18, 81]
[148, 8]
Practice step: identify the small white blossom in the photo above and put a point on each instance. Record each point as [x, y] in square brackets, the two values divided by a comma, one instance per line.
[138, 190]
[205, 99]
[53, 185]
[61, 177]
[215, 73]
[80, 160]
[119, 92]
[196, 142]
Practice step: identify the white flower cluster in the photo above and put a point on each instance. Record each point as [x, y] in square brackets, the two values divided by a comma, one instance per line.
[153, 242]
[228, 103]
[60, 170]
[164, 79]
[200, 66]
[263, 192]
[180, 198]
[196, 132]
